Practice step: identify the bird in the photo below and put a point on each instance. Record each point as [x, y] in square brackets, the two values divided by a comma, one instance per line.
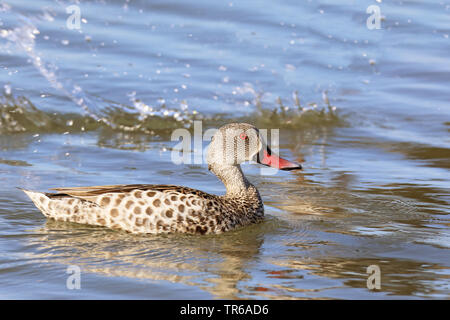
[159, 209]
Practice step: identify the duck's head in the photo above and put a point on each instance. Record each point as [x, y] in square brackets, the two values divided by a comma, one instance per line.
[236, 143]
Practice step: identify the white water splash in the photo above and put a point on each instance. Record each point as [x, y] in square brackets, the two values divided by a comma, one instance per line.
[146, 110]
[23, 38]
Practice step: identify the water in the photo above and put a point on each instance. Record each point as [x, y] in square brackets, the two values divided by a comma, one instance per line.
[366, 111]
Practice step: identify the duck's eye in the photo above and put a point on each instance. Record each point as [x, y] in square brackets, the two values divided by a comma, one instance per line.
[243, 136]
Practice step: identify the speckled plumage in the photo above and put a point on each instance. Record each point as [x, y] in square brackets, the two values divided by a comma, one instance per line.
[154, 209]
[151, 208]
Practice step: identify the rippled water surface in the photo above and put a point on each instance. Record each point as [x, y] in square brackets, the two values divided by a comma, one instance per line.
[367, 112]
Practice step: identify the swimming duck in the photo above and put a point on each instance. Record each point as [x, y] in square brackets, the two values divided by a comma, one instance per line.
[154, 209]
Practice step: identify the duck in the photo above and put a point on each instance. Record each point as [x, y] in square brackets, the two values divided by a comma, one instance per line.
[158, 209]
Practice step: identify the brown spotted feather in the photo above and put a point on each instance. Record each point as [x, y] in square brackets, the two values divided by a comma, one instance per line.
[147, 208]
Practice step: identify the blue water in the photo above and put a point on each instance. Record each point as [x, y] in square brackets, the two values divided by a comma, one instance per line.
[366, 112]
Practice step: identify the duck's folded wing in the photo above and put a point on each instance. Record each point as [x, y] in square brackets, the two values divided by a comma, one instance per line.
[120, 188]
[86, 191]
[97, 194]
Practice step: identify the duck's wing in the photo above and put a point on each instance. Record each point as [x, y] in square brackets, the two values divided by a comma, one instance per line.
[94, 191]
[87, 191]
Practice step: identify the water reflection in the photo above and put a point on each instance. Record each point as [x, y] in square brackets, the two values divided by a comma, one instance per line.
[399, 277]
[213, 263]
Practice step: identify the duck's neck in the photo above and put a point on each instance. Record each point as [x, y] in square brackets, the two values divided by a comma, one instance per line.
[233, 178]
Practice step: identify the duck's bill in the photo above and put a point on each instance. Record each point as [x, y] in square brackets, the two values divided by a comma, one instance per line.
[272, 160]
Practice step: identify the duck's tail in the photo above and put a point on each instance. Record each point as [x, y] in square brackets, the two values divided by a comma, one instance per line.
[39, 199]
